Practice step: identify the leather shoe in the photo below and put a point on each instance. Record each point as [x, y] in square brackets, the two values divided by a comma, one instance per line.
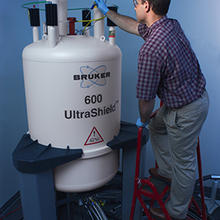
[158, 214]
[154, 173]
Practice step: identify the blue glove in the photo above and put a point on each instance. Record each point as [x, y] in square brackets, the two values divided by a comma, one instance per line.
[139, 123]
[102, 6]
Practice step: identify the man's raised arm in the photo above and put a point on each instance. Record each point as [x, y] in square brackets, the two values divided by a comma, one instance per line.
[124, 22]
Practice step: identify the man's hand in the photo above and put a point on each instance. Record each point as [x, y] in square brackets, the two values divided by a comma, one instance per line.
[145, 109]
[139, 123]
[102, 6]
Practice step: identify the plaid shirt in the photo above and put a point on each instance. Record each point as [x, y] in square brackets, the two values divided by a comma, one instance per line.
[167, 65]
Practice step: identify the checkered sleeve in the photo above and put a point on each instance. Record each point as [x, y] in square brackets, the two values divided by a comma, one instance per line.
[148, 76]
[142, 28]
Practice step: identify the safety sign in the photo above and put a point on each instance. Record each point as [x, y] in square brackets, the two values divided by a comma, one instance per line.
[94, 137]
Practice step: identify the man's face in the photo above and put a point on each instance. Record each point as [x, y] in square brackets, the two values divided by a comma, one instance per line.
[140, 11]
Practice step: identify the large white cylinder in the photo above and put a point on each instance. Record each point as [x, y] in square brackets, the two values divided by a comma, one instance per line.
[73, 96]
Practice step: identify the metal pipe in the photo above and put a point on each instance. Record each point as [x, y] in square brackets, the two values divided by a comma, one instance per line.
[99, 25]
[87, 32]
[35, 34]
[214, 191]
[62, 15]
[112, 35]
[52, 36]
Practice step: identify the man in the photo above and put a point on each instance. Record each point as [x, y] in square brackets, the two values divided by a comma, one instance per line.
[167, 67]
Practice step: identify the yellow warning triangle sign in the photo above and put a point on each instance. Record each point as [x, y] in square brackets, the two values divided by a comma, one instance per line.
[94, 137]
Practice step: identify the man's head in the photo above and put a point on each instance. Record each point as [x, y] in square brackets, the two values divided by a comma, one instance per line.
[145, 9]
[159, 7]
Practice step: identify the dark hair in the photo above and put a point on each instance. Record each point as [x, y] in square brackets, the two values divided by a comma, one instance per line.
[159, 7]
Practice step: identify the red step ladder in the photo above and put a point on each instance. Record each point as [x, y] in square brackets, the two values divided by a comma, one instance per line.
[154, 195]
